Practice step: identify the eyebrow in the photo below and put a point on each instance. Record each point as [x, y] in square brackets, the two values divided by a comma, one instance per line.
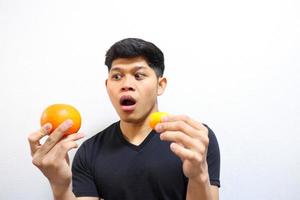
[136, 68]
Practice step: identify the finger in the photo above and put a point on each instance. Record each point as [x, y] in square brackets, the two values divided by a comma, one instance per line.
[34, 138]
[186, 119]
[177, 126]
[60, 151]
[55, 136]
[182, 153]
[186, 124]
[67, 159]
[60, 146]
[73, 137]
[179, 138]
[57, 155]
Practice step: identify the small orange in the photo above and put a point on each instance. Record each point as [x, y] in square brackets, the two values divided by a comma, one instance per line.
[58, 113]
[156, 118]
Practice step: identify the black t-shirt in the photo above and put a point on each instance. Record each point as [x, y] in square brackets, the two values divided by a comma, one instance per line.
[108, 166]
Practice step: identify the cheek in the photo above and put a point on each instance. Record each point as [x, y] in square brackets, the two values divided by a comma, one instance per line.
[112, 94]
[149, 91]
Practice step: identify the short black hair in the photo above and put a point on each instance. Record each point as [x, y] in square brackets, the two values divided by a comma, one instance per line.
[134, 47]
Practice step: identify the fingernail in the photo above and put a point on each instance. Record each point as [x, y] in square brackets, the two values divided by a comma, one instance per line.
[159, 128]
[161, 136]
[68, 123]
[172, 146]
[47, 127]
[165, 119]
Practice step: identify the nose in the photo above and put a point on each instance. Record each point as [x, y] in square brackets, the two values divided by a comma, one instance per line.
[127, 88]
[127, 84]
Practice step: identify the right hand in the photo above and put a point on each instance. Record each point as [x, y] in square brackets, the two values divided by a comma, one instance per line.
[52, 156]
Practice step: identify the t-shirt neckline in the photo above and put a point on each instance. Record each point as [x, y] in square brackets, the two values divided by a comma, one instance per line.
[130, 145]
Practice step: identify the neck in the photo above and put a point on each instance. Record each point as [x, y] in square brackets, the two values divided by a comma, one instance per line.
[136, 132]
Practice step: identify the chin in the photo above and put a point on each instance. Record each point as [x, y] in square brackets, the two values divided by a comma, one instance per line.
[132, 119]
[129, 119]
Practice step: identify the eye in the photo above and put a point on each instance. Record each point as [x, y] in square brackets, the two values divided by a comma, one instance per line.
[139, 76]
[116, 76]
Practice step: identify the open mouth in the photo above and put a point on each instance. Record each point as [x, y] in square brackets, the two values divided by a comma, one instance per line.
[127, 100]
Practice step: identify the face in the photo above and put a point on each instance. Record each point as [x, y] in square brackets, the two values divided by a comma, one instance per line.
[133, 88]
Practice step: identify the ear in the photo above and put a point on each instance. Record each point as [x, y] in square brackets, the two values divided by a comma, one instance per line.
[106, 83]
[162, 84]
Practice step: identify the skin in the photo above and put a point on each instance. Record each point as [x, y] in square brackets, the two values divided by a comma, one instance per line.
[134, 77]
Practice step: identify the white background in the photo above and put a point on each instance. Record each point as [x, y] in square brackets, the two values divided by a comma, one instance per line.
[231, 64]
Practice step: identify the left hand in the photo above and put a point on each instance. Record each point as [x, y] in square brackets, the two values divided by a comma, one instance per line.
[189, 142]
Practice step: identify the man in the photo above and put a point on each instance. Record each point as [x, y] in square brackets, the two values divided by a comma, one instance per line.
[179, 159]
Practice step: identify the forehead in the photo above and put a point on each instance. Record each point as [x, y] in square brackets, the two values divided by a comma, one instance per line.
[129, 63]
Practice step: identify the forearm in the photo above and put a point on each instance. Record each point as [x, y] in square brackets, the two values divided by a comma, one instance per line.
[61, 193]
[199, 188]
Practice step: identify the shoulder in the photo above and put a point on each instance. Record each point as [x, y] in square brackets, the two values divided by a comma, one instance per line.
[213, 158]
[213, 141]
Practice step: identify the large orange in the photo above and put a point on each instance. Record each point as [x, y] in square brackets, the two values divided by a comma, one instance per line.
[58, 113]
[156, 118]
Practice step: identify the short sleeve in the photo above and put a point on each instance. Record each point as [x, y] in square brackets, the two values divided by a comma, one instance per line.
[82, 176]
[213, 158]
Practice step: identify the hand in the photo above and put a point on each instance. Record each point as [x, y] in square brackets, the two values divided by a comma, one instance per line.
[189, 142]
[52, 157]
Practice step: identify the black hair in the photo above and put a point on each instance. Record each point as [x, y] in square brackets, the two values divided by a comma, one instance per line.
[134, 47]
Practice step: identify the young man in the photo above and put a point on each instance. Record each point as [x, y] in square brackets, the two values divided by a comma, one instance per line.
[179, 159]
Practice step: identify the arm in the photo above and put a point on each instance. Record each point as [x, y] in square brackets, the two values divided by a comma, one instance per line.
[202, 190]
[69, 195]
[190, 143]
[52, 158]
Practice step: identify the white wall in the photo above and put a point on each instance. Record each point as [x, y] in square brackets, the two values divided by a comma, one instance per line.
[231, 64]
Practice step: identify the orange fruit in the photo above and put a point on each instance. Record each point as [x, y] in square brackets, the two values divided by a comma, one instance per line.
[156, 118]
[58, 113]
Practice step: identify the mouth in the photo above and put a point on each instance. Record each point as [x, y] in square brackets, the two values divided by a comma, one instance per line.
[127, 103]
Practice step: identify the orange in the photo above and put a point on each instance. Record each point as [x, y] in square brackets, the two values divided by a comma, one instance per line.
[58, 113]
[156, 118]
